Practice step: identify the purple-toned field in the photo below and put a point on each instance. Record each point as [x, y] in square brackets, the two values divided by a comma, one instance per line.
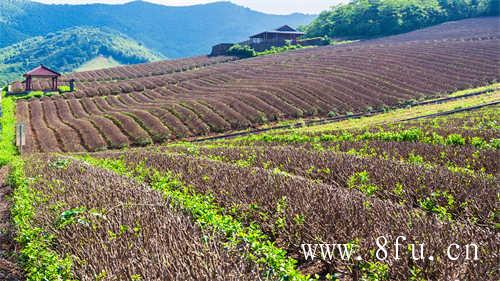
[152, 103]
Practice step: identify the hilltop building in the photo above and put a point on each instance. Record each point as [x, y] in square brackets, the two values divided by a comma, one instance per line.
[264, 40]
[279, 35]
[41, 72]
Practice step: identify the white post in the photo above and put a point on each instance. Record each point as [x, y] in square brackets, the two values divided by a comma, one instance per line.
[20, 136]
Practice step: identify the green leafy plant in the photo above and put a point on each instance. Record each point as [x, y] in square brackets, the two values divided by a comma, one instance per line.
[361, 182]
[277, 50]
[455, 139]
[415, 159]
[71, 216]
[60, 163]
[441, 203]
[374, 271]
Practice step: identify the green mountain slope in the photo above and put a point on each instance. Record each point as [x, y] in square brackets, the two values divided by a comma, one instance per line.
[365, 18]
[172, 31]
[68, 49]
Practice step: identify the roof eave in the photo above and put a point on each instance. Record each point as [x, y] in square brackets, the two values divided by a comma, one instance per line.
[277, 32]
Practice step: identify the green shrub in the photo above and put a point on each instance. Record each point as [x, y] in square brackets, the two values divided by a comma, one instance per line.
[415, 159]
[455, 139]
[332, 114]
[495, 143]
[441, 203]
[374, 271]
[277, 50]
[413, 134]
[325, 40]
[478, 142]
[64, 88]
[241, 51]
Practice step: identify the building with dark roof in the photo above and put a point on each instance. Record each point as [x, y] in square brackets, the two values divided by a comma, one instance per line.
[279, 37]
[281, 34]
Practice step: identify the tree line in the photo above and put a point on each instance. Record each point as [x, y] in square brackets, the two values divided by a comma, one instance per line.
[368, 18]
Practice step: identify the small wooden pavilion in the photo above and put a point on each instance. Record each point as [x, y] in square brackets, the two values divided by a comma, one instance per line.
[41, 72]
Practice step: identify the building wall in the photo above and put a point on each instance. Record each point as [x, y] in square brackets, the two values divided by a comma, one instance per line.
[220, 49]
[266, 45]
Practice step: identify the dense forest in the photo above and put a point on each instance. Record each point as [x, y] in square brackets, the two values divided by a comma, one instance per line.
[367, 18]
[68, 49]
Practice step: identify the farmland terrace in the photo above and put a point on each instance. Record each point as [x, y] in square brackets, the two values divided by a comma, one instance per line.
[432, 180]
[154, 103]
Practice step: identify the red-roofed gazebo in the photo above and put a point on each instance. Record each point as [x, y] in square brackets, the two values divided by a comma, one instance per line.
[41, 72]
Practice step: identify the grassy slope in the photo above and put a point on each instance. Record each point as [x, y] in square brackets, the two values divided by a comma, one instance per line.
[98, 62]
[400, 114]
[7, 135]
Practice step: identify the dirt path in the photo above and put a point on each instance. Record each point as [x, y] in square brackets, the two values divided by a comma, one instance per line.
[9, 270]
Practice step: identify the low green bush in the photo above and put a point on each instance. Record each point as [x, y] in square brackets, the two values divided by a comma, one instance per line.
[277, 50]
[64, 89]
[241, 51]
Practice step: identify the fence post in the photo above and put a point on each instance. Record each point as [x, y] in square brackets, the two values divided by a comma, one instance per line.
[20, 136]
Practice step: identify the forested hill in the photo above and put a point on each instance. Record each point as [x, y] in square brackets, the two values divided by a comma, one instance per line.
[68, 49]
[368, 18]
[172, 31]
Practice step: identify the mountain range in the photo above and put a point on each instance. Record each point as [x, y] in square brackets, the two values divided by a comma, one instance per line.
[172, 31]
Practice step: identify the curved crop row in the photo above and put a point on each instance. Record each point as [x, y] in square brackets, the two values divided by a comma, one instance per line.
[316, 82]
[454, 195]
[133, 235]
[294, 211]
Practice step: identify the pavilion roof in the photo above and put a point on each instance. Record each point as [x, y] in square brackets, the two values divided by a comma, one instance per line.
[42, 71]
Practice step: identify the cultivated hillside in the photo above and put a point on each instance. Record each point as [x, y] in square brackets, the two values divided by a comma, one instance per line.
[252, 168]
[186, 99]
[259, 198]
[172, 31]
[67, 49]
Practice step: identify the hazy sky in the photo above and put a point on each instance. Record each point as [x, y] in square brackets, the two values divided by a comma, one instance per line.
[268, 6]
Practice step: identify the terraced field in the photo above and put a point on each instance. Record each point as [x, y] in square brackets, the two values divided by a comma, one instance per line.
[132, 234]
[153, 103]
[246, 207]
[346, 159]
[87, 80]
[432, 181]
